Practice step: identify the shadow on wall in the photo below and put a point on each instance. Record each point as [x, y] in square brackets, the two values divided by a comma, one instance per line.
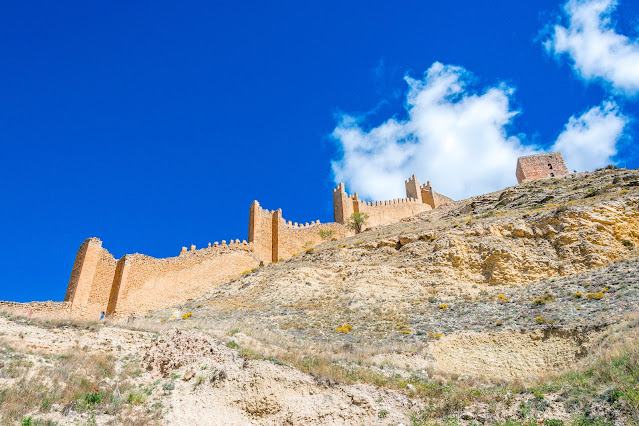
[138, 283]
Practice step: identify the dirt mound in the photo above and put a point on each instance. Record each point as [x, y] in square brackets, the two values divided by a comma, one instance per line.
[180, 347]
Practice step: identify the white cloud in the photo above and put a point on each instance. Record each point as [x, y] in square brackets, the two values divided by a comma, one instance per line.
[589, 141]
[596, 49]
[457, 138]
[454, 137]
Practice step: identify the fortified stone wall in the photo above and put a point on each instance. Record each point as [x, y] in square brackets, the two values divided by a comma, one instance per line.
[418, 199]
[49, 308]
[91, 279]
[291, 238]
[285, 237]
[385, 212]
[342, 204]
[102, 282]
[260, 232]
[541, 166]
[432, 198]
[139, 283]
[144, 283]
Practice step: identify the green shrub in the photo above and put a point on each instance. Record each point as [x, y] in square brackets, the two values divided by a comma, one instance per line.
[136, 397]
[357, 221]
[592, 192]
[546, 298]
[93, 398]
[325, 233]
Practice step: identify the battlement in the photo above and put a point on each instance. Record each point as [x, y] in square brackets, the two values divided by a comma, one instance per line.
[388, 203]
[418, 199]
[140, 283]
[412, 188]
[275, 238]
[216, 247]
[295, 225]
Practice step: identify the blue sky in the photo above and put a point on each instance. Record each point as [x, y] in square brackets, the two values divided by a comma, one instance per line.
[154, 125]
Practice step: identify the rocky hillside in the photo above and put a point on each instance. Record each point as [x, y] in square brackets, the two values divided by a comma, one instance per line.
[513, 307]
[477, 265]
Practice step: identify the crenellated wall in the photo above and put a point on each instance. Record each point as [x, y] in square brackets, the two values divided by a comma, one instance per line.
[260, 232]
[291, 238]
[385, 212]
[432, 198]
[139, 283]
[144, 283]
[91, 279]
[418, 199]
[275, 239]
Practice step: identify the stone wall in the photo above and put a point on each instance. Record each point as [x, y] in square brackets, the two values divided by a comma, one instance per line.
[541, 166]
[101, 287]
[49, 308]
[143, 283]
[260, 232]
[139, 283]
[385, 212]
[291, 238]
[91, 279]
[275, 239]
[418, 199]
[432, 198]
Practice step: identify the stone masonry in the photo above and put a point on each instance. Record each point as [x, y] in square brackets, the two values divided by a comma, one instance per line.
[418, 199]
[139, 283]
[541, 166]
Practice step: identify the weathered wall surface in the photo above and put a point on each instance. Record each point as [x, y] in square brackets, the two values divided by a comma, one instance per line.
[101, 286]
[418, 199]
[91, 279]
[139, 283]
[432, 198]
[293, 238]
[144, 283]
[342, 204]
[76, 271]
[541, 166]
[260, 232]
[385, 212]
[275, 239]
[49, 308]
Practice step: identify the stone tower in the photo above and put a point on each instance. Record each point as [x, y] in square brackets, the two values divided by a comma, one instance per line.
[541, 166]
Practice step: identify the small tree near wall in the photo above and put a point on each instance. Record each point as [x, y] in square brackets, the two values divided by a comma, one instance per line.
[357, 221]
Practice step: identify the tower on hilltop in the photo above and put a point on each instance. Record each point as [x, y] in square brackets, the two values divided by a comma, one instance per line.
[541, 166]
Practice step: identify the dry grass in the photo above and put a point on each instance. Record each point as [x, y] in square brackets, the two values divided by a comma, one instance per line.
[614, 366]
[74, 381]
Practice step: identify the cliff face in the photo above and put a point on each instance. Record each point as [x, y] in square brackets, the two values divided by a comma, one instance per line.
[520, 248]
